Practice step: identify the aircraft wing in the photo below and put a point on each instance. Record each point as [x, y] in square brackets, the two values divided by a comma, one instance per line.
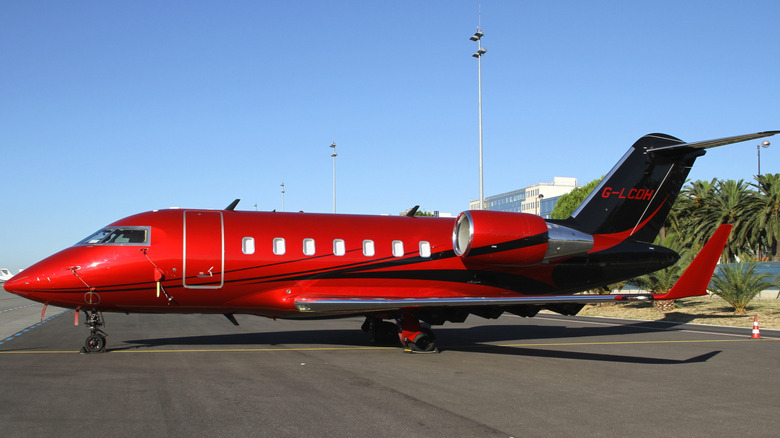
[363, 304]
[693, 282]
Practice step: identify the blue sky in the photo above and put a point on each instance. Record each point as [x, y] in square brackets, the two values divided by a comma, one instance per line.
[112, 108]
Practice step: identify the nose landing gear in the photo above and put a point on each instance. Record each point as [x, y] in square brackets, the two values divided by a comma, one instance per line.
[96, 341]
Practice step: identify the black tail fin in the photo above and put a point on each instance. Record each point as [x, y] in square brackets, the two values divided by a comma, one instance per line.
[634, 199]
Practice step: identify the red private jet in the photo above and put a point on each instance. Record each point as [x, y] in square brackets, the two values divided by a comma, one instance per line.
[396, 271]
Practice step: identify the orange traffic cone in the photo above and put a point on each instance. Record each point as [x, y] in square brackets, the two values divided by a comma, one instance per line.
[756, 332]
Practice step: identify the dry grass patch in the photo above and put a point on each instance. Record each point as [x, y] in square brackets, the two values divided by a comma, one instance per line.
[698, 310]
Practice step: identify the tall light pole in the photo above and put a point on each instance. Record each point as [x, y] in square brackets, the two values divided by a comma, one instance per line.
[480, 51]
[334, 155]
[764, 144]
[282, 197]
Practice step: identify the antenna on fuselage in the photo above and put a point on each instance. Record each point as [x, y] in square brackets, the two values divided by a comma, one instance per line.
[232, 205]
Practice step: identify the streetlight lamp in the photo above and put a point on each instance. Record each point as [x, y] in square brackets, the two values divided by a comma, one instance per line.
[764, 144]
[334, 155]
[539, 203]
[480, 51]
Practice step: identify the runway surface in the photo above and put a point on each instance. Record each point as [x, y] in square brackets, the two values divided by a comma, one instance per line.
[198, 375]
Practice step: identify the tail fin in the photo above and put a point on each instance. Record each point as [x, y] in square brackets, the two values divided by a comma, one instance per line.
[634, 199]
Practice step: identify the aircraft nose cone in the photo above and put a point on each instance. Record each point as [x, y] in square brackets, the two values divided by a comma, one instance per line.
[14, 285]
[31, 283]
[17, 285]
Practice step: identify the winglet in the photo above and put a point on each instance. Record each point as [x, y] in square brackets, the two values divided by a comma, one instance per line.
[696, 278]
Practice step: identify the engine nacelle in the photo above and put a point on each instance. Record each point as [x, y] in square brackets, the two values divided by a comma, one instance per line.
[500, 238]
[514, 239]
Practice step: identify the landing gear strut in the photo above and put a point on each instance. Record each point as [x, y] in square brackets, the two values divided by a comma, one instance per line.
[96, 341]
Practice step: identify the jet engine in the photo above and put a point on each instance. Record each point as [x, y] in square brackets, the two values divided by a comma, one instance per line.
[514, 239]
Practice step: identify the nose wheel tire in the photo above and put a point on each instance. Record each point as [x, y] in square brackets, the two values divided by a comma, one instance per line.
[95, 343]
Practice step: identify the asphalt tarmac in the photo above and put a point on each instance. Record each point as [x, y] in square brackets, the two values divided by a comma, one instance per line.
[198, 375]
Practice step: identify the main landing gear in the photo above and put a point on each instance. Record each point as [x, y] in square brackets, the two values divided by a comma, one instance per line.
[414, 336]
[96, 341]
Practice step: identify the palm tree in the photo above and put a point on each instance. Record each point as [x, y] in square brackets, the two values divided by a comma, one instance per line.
[731, 203]
[687, 208]
[738, 284]
[766, 224]
[694, 197]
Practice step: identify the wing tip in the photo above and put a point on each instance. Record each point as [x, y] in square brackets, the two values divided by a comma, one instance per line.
[694, 281]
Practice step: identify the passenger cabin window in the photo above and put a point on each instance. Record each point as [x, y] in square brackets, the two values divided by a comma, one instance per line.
[339, 248]
[398, 248]
[308, 247]
[425, 249]
[279, 247]
[368, 248]
[118, 236]
[248, 245]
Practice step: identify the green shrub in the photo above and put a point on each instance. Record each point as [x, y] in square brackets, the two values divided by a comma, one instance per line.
[738, 283]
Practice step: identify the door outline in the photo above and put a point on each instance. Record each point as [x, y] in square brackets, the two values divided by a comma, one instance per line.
[193, 276]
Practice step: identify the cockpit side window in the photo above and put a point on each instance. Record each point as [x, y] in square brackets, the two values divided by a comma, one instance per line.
[118, 236]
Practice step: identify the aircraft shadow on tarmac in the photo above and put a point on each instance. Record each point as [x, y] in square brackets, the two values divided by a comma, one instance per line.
[578, 355]
[469, 339]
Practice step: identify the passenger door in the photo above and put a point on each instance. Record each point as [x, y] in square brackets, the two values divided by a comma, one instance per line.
[204, 250]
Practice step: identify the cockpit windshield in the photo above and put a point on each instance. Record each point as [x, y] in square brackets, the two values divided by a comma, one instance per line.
[118, 236]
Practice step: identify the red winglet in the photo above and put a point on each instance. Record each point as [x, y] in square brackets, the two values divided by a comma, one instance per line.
[696, 278]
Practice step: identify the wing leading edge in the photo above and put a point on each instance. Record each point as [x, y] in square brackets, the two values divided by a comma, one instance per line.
[693, 282]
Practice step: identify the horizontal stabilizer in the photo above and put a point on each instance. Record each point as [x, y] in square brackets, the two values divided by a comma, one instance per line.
[714, 143]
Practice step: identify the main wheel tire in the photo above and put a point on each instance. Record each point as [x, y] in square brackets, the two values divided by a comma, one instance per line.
[423, 342]
[95, 343]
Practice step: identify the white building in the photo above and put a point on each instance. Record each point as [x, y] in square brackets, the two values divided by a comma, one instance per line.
[539, 199]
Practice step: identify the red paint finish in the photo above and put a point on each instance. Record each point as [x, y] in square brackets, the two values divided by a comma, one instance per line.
[186, 253]
[199, 260]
